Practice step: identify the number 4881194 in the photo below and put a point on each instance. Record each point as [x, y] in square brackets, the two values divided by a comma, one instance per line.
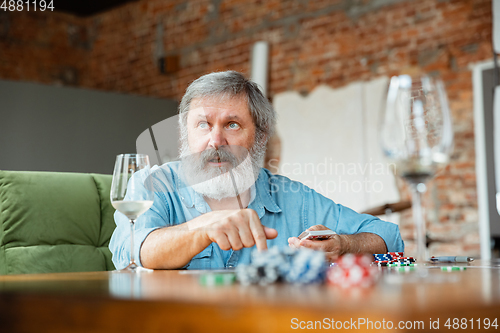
[464, 323]
[28, 5]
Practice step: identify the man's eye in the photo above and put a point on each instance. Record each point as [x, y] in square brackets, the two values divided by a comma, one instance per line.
[203, 125]
[234, 126]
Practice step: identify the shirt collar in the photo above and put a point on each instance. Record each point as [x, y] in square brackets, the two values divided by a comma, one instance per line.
[263, 198]
[189, 197]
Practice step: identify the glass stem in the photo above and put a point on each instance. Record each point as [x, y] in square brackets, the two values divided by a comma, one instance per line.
[418, 218]
[132, 257]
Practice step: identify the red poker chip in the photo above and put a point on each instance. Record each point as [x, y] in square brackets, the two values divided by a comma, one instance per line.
[352, 271]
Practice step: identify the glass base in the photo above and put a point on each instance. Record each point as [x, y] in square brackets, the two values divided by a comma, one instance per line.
[134, 268]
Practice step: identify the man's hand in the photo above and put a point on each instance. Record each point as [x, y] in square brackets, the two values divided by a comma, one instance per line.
[332, 246]
[338, 245]
[234, 229]
[174, 247]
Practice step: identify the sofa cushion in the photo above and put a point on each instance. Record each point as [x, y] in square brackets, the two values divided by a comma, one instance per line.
[103, 184]
[54, 222]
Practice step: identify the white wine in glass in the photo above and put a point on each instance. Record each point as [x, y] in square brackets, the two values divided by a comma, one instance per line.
[131, 193]
[417, 135]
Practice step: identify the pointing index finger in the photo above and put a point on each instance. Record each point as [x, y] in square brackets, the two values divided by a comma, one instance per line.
[258, 233]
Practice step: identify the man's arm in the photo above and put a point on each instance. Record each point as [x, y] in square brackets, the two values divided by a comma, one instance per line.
[174, 247]
[357, 233]
[171, 247]
[362, 243]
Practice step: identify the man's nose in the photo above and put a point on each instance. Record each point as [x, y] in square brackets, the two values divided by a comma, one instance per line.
[217, 137]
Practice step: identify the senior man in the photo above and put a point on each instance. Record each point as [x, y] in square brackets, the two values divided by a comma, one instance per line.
[217, 203]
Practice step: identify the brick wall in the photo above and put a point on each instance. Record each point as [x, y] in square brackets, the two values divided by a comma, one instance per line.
[312, 42]
[43, 47]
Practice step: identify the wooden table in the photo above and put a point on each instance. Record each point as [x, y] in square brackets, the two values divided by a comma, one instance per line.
[172, 301]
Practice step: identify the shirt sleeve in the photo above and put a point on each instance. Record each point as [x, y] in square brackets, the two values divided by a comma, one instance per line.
[343, 220]
[351, 222]
[154, 218]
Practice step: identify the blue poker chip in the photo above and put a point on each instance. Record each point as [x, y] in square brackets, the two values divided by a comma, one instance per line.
[307, 267]
[302, 266]
[382, 257]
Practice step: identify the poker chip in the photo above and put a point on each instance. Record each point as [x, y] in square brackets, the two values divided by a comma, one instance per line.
[265, 268]
[406, 260]
[401, 265]
[396, 256]
[405, 269]
[392, 259]
[247, 274]
[382, 257]
[213, 279]
[453, 268]
[381, 263]
[307, 267]
[352, 270]
[300, 266]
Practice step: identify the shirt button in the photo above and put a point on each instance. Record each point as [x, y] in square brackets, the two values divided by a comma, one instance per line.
[230, 266]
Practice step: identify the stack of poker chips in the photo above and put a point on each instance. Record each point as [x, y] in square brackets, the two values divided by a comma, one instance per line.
[403, 261]
[307, 266]
[393, 259]
[398, 259]
[300, 266]
[396, 255]
[382, 259]
[352, 270]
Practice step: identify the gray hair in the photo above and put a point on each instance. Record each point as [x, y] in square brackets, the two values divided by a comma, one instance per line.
[231, 84]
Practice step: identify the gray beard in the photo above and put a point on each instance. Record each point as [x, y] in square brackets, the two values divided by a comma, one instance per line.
[216, 182]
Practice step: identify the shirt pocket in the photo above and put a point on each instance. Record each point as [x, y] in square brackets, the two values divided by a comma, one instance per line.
[202, 260]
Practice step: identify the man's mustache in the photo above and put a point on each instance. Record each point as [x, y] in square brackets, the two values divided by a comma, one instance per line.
[223, 154]
[227, 153]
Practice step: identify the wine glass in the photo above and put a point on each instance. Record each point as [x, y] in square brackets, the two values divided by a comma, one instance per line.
[131, 193]
[417, 135]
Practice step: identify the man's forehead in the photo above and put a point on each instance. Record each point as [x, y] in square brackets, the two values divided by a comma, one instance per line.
[206, 112]
[220, 102]
[229, 108]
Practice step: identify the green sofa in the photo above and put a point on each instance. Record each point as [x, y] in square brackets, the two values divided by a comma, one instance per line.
[54, 222]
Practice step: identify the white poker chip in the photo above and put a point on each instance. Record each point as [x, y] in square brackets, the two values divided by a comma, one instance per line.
[301, 266]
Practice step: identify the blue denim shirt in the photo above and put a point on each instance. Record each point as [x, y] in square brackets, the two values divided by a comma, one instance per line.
[288, 206]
